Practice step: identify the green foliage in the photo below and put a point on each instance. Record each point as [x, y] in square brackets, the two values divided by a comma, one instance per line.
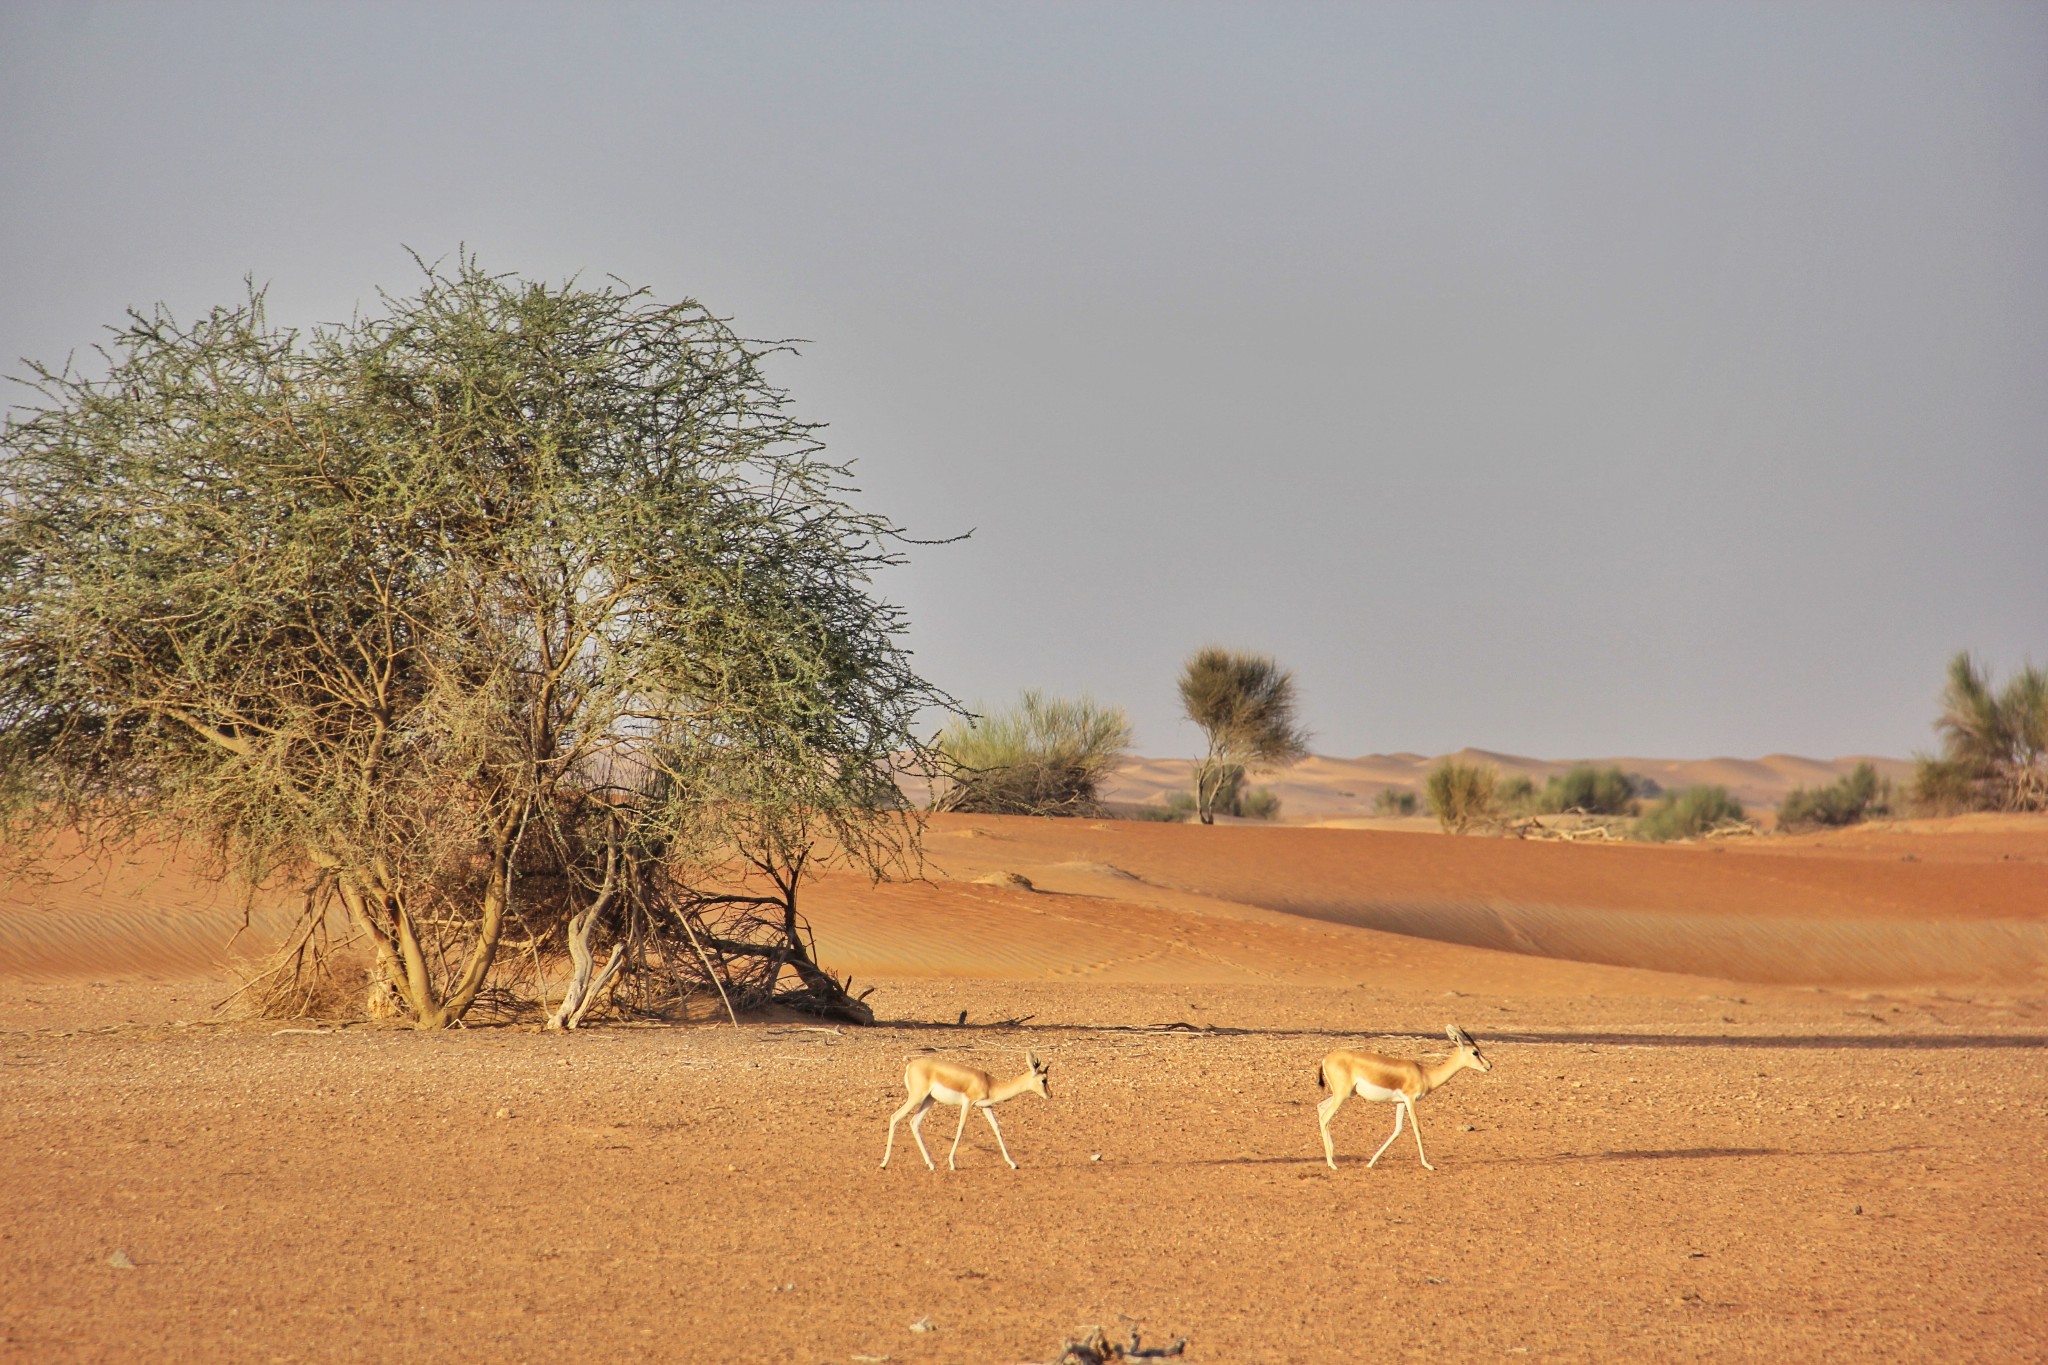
[1245, 705]
[1689, 813]
[1994, 745]
[1944, 787]
[1516, 794]
[1260, 803]
[1462, 795]
[1392, 801]
[506, 602]
[1044, 756]
[1848, 800]
[1588, 790]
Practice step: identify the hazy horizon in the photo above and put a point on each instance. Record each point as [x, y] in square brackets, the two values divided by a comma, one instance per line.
[1559, 380]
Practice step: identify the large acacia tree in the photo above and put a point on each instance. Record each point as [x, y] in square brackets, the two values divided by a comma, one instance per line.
[506, 608]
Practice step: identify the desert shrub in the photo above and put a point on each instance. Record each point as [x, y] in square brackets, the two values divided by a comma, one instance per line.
[1517, 794]
[1944, 787]
[1260, 803]
[1245, 705]
[1462, 794]
[1846, 801]
[1172, 813]
[1591, 791]
[1043, 756]
[1690, 813]
[1994, 745]
[1395, 801]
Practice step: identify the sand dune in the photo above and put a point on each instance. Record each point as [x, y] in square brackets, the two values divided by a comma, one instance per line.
[1131, 901]
[1788, 911]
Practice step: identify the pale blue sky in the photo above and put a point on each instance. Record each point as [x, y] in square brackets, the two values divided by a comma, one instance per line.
[1564, 379]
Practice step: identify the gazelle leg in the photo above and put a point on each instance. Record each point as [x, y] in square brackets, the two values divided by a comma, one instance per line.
[958, 1129]
[1326, 1111]
[990, 1115]
[917, 1131]
[1400, 1112]
[1416, 1124]
[895, 1119]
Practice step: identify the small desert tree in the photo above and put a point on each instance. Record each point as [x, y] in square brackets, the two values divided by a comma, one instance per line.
[1044, 756]
[1245, 704]
[1994, 744]
[506, 606]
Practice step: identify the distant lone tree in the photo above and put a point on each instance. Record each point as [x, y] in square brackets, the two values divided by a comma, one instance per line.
[1044, 756]
[1994, 745]
[507, 609]
[1245, 704]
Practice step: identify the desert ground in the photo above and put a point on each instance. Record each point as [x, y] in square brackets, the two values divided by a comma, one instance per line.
[1773, 1099]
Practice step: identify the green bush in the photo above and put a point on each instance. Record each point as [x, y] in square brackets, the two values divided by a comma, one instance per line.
[1260, 803]
[1044, 756]
[1462, 794]
[1588, 790]
[1395, 801]
[1846, 801]
[1517, 794]
[1943, 786]
[1690, 813]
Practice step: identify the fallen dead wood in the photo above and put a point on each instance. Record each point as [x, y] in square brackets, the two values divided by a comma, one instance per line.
[1021, 1019]
[1097, 1349]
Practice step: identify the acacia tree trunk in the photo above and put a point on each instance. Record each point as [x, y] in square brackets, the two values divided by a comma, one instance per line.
[379, 908]
[582, 992]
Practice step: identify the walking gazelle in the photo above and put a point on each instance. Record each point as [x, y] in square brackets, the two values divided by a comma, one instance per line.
[1373, 1076]
[931, 1081]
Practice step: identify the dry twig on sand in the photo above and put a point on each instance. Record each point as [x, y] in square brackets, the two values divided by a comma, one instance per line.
[1097, 1349]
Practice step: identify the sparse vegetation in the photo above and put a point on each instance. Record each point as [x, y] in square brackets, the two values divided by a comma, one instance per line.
[1260, 803]
[1587, 790]
[1994, 746]
[1846, 801]
[1044, 756]
[1245, 704]
[1463, 794]
[1689, 814]
[1516, 794]
[1392, 801]
[506, 608]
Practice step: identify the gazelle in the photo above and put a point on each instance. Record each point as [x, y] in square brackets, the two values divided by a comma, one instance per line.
[931, 1081]
[1373, 1076]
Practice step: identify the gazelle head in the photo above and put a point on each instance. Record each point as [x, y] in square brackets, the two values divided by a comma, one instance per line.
[1468, 1051]
[1039, 1071]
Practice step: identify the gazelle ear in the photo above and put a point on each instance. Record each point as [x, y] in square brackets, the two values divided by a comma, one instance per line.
[1031, 1060]
[1452, 1033]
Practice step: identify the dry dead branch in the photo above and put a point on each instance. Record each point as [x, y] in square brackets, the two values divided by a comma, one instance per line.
[1097, 1349]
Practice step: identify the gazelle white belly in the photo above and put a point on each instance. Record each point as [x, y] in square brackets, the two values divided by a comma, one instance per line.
[1366, 1090]
[947, 1095]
